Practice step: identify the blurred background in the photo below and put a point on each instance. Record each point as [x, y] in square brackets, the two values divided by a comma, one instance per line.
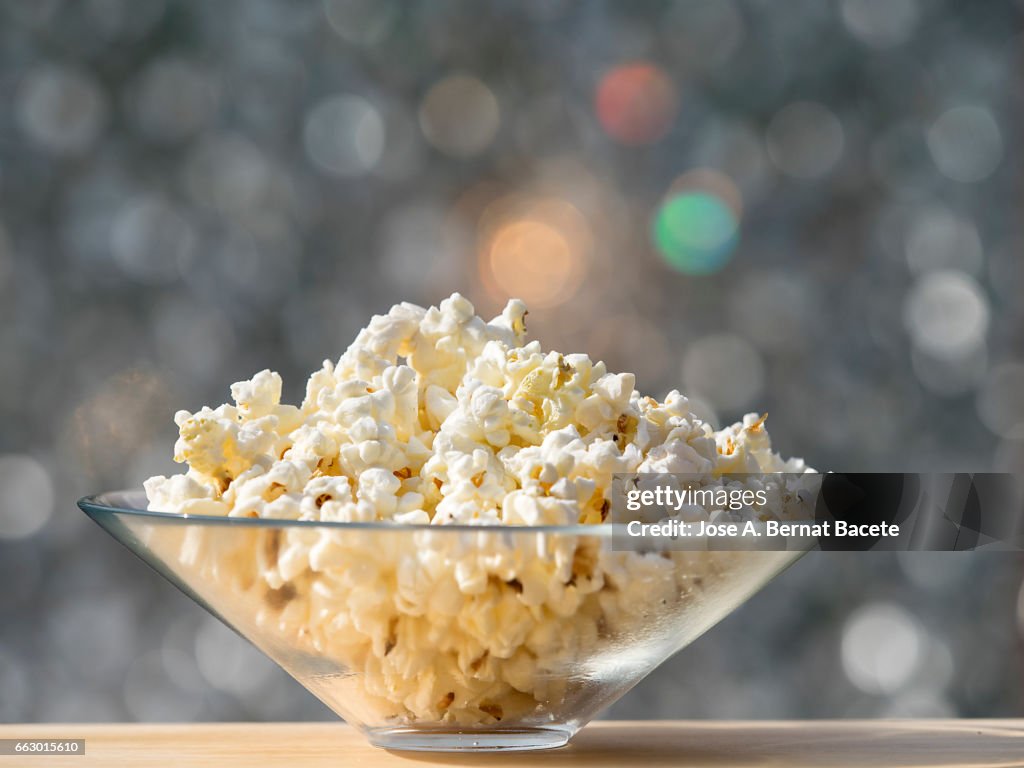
[807, 208]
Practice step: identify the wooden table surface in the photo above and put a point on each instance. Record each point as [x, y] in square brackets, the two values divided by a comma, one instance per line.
[613, 744]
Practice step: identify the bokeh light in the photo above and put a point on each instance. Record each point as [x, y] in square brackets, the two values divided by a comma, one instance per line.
[344, 135]
[175, 703]
[536, 249]
[636, 103]
[228, 662]
[1001, 400]
[27, 499]
[936, 571]
[736, 150]
[61, 110]
[151, 241]
[947, 313]
[460, 116]
[805, 140]
[966, 143]
[695, 232]
[705, 33]
[881, 648]
[725, 370]
[229, 174]
[421, 247]
[405, 148]
[950, 375]
[880, 23]
[259, 260]
[362, 22]
[172, 99]
[772, 307]
[939, 238]
[177, 644]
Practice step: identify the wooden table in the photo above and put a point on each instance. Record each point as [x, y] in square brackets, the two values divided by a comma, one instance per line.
[603, 744]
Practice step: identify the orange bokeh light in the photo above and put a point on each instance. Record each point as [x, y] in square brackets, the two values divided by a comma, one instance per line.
[536, 250]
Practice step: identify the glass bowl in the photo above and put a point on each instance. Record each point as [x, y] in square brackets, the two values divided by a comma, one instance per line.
[445, 637]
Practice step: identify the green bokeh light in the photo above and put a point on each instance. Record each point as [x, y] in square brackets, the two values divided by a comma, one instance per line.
[695, 232]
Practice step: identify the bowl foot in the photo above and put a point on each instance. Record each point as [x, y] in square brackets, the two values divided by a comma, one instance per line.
[468, 740]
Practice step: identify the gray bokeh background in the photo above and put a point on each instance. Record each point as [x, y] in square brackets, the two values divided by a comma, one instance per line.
[193, 191]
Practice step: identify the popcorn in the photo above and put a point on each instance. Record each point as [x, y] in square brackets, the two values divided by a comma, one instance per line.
[435, 417]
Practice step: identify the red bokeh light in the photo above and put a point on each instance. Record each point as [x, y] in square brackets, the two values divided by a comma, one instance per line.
[636, 103]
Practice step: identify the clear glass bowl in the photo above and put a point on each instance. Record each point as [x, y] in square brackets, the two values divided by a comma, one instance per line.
[445, 637]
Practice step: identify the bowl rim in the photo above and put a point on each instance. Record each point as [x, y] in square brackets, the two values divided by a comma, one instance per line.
[97, 504]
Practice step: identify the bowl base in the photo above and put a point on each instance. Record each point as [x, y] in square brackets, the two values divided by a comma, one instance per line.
[468, 740]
